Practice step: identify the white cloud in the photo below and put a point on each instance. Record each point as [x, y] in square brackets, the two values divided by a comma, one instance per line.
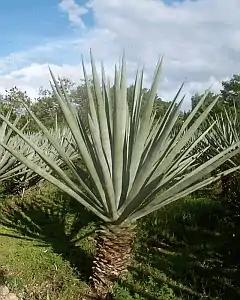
[74, 11]
[34, 76]
[199, 40]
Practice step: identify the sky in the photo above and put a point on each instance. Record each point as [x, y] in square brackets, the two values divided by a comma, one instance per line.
[199, 39]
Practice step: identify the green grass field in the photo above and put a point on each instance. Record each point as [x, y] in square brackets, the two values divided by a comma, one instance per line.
[186, 251]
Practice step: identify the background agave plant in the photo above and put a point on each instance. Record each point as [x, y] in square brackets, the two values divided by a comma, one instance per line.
[132, 166]
[10, 166]
[26, 177]
[224, 134]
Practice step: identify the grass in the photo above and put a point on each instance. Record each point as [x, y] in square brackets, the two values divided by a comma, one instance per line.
[188, 248]
[182, 252]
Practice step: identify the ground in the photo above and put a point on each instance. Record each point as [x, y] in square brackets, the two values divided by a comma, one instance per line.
[186, 251]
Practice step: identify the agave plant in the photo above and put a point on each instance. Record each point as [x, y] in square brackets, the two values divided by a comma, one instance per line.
[224, 134]
[10, 166]
[27, 177]
[132, 166]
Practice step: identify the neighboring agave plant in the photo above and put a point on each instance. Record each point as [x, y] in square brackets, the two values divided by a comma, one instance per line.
[132, 167]
[28, 178]
[225, 133]
[10, 166]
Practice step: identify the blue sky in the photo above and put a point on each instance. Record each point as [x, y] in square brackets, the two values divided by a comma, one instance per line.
[29, 23]
[197, 44]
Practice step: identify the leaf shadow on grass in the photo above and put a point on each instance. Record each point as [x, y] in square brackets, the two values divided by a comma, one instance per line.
[2, 276]
[190, 247]
[60, 222]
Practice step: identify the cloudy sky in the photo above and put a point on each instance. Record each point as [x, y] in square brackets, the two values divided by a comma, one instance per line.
[200, 40]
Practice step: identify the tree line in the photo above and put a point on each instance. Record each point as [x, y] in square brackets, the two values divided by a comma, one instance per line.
[46, 106]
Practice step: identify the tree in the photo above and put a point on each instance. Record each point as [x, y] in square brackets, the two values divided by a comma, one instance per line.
[231, 91]
[218, 108]
[46, 106]
[160, 106]
[13, 99]
[131, 167]
[79, 97]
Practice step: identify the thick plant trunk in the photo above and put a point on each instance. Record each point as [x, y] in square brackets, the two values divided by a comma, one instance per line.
[113, 256]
